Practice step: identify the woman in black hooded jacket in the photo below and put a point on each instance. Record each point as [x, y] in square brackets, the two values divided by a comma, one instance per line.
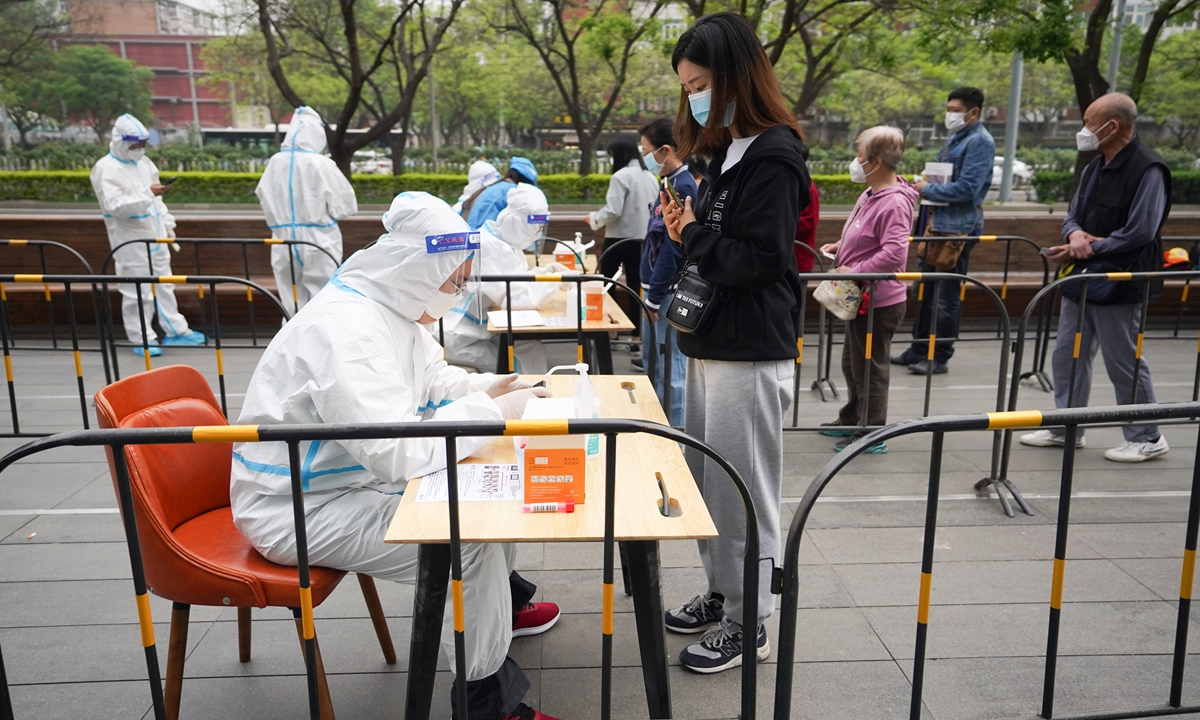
[739, 238]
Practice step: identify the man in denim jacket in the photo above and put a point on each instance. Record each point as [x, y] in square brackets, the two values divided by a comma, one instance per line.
[972, 151]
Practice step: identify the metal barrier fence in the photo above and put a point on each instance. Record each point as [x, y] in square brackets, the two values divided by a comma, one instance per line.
[1044, 316]
[826, 327]
[939, 426]
[102, 309]
[293, 435]
[1001, 473]
[245, 244]
[994, 478]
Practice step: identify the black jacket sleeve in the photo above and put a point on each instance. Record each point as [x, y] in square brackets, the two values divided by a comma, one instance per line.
[753, 249]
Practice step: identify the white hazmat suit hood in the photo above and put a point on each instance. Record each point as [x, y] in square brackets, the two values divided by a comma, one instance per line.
[420, 251]
[126, 131]
[303, 196]
[481, 174]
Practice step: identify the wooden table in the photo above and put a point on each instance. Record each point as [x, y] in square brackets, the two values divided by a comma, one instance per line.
[594, 331]
[639, 525]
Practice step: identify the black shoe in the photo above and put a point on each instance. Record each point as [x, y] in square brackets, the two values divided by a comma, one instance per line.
[939, 368]
[833, 429]
[638, 363]
[908, 357]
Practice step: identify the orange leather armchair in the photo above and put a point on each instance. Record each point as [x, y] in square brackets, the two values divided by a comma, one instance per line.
[192, 552]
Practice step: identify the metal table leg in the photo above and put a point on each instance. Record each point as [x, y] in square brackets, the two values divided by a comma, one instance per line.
[429, 605]
[648, 610]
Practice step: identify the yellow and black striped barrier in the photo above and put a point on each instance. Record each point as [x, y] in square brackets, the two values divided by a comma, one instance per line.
[1072, 420]
[244, 243]
[825, 361]
[1081, 344]
[430, 584]
[107, 327]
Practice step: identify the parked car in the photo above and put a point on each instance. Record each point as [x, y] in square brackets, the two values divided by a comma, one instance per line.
[1022, 173]
[371, 162]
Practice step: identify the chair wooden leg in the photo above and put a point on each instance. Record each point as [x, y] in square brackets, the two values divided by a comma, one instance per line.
[176, 655]
[322, 684]
[244, 634]
[375, 608]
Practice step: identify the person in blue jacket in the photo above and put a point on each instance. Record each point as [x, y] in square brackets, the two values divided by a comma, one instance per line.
[494, 198]
[959, 211]
[662, 259]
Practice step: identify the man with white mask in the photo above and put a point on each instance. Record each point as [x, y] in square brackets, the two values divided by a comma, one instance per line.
[502, 242]
[358, 353]
[950, 209]
[303, 196]
[481, 174]
[127, 185]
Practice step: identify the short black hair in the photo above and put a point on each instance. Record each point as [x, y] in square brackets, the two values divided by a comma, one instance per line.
[624, 150]
[659, 132]
[970, 96]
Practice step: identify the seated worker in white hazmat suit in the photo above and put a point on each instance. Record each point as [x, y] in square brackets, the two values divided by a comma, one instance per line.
[357, 353]
[304, 195]
[502, 241]
[481, 175]
[127, 185]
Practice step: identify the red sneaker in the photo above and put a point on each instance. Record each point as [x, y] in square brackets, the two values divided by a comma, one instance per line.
[524, 712]
[535, 619]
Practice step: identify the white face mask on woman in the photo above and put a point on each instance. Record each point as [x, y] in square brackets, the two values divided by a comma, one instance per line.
[857, 174]
[137, 155]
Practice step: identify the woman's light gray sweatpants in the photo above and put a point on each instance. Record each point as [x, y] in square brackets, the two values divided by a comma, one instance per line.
[737, 409]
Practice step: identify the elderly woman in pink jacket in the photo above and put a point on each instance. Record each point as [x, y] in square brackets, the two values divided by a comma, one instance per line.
[874, 240]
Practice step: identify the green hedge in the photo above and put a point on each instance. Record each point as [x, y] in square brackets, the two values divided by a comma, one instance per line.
[1054, 186]
[222, 187]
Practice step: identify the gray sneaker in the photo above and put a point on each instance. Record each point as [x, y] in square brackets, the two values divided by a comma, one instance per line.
[696, 615]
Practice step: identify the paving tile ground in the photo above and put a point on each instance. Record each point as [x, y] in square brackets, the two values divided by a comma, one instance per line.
[68, 624]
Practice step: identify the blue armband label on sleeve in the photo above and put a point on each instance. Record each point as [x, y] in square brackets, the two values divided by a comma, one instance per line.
[452, 242]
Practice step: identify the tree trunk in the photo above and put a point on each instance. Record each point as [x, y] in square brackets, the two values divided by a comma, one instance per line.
[397, 143]
[342, 157]
[587, 150]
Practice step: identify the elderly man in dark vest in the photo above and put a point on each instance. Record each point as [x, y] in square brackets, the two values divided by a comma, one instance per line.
[1114, 225]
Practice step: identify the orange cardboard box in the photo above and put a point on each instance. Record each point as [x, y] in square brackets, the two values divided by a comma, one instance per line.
[554, 475]
[555, 465]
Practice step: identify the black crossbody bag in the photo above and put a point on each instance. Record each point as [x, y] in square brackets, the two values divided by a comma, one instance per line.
[692, 308]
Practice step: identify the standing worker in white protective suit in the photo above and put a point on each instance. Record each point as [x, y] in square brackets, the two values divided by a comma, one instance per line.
[357, 353]
[304, 195]
[503, 241]
[127, 185]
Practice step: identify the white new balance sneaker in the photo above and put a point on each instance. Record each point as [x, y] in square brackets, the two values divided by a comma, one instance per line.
[1048, 438]
[1136, 452]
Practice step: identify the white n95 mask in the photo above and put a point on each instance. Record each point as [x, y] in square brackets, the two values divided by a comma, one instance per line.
[857, 174]
[955, 121]
[137, 155]
[1087, 140]
[441, 303]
